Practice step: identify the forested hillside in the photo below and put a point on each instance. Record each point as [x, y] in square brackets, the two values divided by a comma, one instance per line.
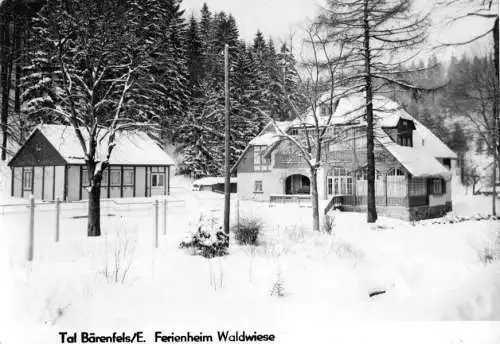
[459, 109]
[180, 86]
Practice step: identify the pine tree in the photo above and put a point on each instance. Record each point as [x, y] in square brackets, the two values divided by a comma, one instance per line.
[194, 54]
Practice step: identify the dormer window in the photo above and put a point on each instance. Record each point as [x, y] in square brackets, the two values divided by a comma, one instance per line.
[405, 140]
[325, 109]
[404, 133]
[294, 131]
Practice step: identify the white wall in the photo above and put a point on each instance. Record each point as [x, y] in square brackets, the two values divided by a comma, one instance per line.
[18, 181]
[441, 199]
[273, 182]
[49, 183]
[38, 182]
[270, 185]
[59, 192]
[73, 183]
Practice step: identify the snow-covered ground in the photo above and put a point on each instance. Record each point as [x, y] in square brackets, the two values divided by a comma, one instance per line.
[119, 281]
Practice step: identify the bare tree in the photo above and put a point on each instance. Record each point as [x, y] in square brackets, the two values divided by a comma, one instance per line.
[471, 175]
[321, 94]
[487, 10]
[380, 34]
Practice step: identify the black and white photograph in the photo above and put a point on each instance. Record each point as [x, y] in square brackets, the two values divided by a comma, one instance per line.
[234, 171]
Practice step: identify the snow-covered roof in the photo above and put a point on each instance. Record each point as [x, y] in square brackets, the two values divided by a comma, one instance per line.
[425, 140]
[212, 181]
[265, 139]
[387, 113]
[132, 148]
[417, 162]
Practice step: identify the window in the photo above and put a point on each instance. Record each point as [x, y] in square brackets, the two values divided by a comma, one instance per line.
[325, 109]
[405, 140]
[105, 177]
[257, 187]
[438, 186]
[362, 183]
[259, 162]
[28, 179]
[116, 177]
[85, 177]
[294, 131]
[157, 179]
[340, 183]
[360, 142]
[128, 176]
[396, 183]
[418, 187]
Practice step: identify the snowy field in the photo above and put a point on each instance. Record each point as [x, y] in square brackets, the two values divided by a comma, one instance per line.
[119, 281]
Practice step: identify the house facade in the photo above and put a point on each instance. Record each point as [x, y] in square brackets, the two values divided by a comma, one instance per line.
[51, 165]
[413, 166]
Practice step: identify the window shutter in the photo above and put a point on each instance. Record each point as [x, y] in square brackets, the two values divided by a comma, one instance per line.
[443, 183]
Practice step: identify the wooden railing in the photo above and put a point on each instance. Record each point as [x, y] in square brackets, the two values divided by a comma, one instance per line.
[283, 198]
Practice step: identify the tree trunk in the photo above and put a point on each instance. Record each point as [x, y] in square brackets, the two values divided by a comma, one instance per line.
[496, 129]
[18, 29]
[371, 208]
[4, 78]
[94, 217]
[314, 199]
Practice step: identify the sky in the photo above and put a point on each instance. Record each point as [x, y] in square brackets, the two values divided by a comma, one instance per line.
[282, 19]
[276, 18]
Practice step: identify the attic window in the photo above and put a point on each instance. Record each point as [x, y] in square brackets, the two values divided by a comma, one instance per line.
[294, 131]
[260, 162]
[325, 109]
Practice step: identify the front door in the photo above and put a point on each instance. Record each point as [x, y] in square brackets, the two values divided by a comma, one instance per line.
[157, 184]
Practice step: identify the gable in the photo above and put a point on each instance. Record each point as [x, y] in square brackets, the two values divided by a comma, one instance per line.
[37, 151]
[245, 163]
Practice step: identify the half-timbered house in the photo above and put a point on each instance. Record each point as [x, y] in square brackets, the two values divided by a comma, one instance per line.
[51, 164]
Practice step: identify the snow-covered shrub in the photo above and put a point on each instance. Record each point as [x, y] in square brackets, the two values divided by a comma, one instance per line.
[119, 255]
[207, 241]
[247, 231]
[278, 288]
[487, 255]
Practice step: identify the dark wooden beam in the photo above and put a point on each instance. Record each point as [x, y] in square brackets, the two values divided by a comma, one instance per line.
[54, 183]
[12, 182]
[135, 182]
[121, 181]
[43, 182]
[80, 184]
[65, 188]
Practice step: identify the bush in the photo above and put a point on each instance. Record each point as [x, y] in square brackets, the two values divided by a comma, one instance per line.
[278, 288]
[207, 242]
[247, 232]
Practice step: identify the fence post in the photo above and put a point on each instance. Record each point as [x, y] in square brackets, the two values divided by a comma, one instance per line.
[156, 223]
[58, 213]
[31, 229]
[165, 206]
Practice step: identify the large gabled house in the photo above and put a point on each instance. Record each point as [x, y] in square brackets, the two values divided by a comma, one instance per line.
[51, 164]
[413, 166]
